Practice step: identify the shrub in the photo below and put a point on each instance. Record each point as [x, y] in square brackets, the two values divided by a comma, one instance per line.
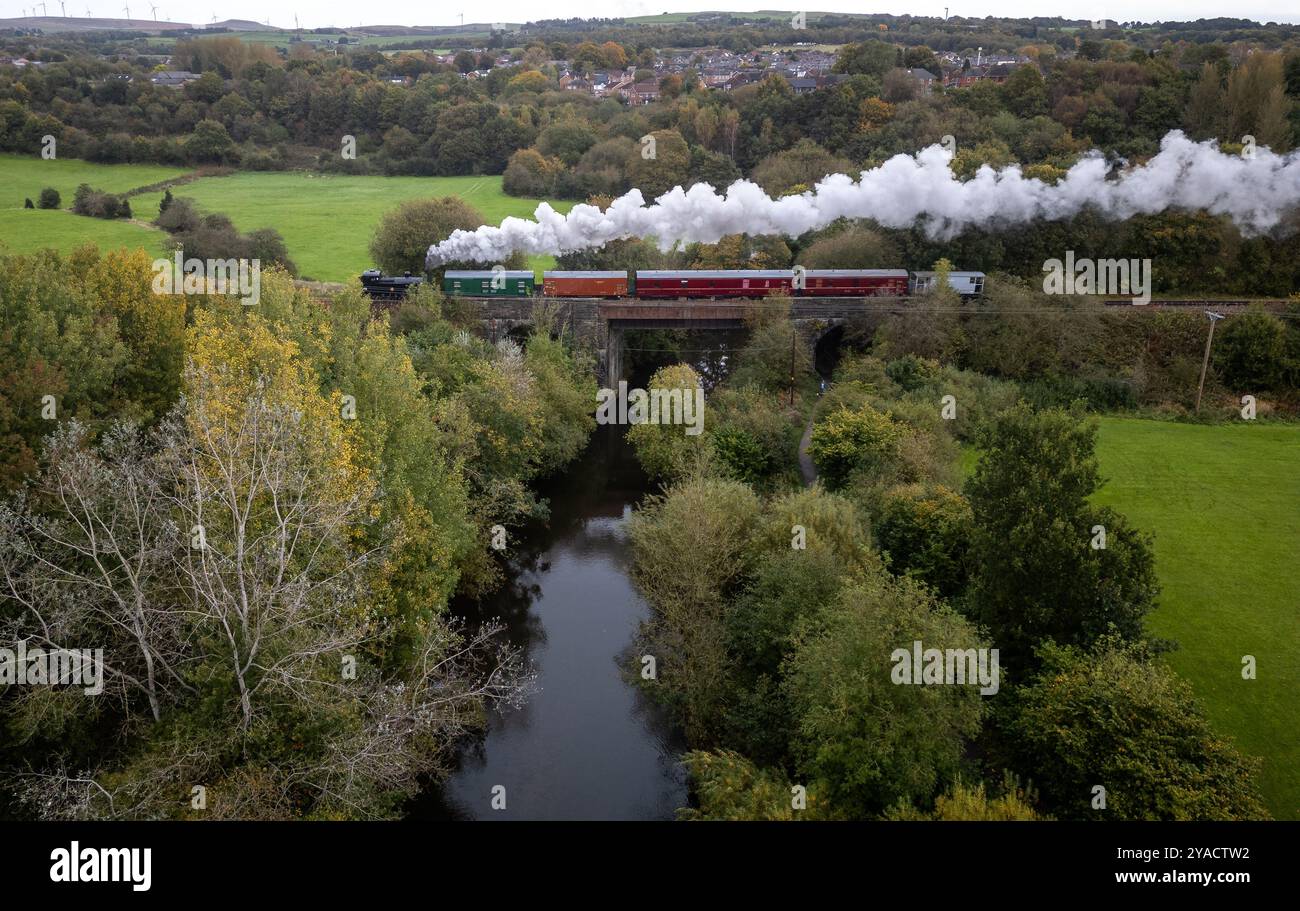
[98, 204]
[1251, 351]
[1037, 573]
[850, 440]
[178, 215]
[530, 174]
[865, 741]
[666, 451]
[1119, 718]
[404, 234]
[912, 372]
[965, 802]
[926, 531]
[49, 199]
[730, 786]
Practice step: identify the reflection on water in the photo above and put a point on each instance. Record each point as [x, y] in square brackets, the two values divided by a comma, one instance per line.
[588, 745]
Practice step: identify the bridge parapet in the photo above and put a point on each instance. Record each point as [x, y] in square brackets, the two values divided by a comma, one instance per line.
[600, 324]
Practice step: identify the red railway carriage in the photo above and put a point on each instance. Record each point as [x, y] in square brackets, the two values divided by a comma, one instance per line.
[854, 283]
[584, 284]
[714, 283]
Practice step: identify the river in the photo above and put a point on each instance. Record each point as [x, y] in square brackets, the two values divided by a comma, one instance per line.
[588, 745]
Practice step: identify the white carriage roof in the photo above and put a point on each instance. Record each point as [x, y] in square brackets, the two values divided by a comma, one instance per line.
[869, 273]
[714, 273]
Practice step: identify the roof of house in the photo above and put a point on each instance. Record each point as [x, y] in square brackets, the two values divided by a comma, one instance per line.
[165, 77]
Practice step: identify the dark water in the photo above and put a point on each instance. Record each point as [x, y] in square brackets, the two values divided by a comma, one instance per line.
[588, 745]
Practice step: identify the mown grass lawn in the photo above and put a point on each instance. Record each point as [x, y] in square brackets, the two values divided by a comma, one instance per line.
[327, 220]
[1224, 505]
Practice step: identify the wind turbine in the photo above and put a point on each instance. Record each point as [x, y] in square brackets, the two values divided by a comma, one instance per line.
[128, 14]
[155, 12]
[44, 10]
[63, 7]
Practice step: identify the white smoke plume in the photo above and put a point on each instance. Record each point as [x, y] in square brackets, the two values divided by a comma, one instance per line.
[1255, 192]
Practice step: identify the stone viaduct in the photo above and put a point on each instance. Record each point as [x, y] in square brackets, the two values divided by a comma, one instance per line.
[601, 324]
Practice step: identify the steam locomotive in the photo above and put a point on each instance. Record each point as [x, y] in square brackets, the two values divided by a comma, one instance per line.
[388, 288]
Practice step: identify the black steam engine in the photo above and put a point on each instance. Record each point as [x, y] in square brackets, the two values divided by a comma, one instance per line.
[388, 289]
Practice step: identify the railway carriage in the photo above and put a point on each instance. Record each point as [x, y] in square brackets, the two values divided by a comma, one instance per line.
[584, 284]
[682, 284]
[967, 284]
[854, 283]
[692, 283]
[489, 283]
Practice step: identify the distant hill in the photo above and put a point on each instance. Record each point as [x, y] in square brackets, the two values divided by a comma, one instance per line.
[390, 31]
[244, 25]
[91, 23]
[88, 23]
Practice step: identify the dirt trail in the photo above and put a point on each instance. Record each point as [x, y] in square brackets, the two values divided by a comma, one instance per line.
[806, 466]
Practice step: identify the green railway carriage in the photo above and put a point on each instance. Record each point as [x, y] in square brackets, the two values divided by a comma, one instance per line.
[489, 283]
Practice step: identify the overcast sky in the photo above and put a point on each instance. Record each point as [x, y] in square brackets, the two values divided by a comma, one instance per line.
[447, 12]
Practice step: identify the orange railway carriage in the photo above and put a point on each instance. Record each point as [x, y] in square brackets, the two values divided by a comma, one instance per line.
[584, 284]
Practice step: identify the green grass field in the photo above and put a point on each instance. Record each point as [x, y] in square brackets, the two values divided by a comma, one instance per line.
[327, 221]
[24, 176]
[1223, 502]
[29, 230]
[1224, 505]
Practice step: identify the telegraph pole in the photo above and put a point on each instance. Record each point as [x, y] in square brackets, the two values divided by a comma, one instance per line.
[1205, 364]
[793, 334]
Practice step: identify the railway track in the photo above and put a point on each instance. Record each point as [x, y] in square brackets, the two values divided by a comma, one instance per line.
[1206, 304]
